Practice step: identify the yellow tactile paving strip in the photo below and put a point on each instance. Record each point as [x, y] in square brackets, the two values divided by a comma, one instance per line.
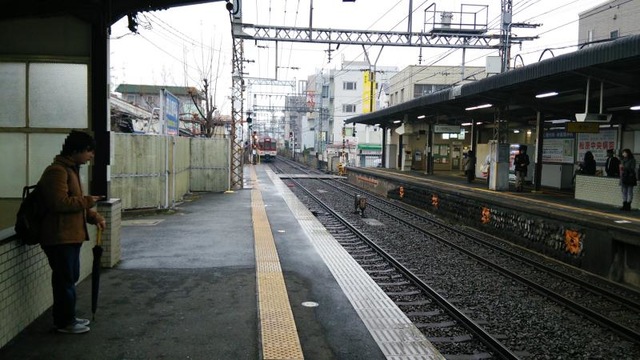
[278, 328]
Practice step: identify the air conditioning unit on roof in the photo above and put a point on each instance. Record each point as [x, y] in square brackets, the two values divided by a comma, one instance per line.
[582, 117]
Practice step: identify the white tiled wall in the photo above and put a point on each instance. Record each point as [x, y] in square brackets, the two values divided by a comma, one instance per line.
[25, 277]
[603, 190]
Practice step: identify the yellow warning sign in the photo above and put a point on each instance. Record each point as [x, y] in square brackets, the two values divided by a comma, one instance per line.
[583, 127]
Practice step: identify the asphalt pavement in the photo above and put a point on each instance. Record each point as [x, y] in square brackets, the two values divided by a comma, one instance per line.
[184, 290]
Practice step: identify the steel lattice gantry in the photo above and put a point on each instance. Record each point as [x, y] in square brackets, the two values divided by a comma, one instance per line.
[440, 36]
[237, 89]
[375, 38]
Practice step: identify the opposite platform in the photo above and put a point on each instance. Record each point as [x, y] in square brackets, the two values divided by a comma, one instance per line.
[600, 239]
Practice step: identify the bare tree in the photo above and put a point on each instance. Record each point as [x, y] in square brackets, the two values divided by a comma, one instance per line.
[205, 67]
[208, 122]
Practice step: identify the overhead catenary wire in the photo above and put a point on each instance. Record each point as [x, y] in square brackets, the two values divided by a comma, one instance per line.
[521, 7]
[517, 8]
[161, 29]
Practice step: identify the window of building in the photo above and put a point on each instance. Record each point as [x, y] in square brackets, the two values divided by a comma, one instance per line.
[401, 95]
[325, 91]
[614, 34]
[349, 85]
[348, 108]
[425, 89]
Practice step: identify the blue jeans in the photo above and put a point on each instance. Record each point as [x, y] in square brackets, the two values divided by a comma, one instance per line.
[64, 261]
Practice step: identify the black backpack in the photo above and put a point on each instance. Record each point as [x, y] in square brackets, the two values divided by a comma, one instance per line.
[30, 215]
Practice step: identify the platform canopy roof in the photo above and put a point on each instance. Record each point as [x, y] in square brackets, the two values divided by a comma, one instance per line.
[92, 10]
[612, 66]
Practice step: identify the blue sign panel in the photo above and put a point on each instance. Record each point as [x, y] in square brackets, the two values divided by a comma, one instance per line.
[171, 105]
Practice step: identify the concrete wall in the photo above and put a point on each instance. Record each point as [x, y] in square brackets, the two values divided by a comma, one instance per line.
[153, 171]
[599, 22]
[209, 164]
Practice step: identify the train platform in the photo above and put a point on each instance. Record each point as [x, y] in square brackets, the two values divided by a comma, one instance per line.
[598, 238]
[552, 199]
[249, 274]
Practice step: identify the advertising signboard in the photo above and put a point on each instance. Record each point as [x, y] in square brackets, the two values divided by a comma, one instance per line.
[597, 144]
[558, 147]
[169, 108]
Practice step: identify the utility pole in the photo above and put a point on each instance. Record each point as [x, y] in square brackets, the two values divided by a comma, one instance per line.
[237, 98]
[320, 118]
[500, 130]
[505, 32]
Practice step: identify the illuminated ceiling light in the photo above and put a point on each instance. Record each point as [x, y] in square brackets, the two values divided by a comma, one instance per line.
[634, 108]
[397, 121]
[516, 131]
[422, 116]
[528, 132]
[483, 106]
[549, 94]
[465, 124]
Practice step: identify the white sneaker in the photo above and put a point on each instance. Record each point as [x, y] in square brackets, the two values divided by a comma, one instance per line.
[73, 329]
[84, 322]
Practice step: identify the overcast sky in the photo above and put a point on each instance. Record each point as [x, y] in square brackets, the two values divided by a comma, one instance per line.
[178, 46]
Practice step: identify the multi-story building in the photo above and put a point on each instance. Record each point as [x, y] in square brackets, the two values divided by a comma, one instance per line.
[340, 94]
[295, 112]
[419, 80]
[148, 96]
[609, 20]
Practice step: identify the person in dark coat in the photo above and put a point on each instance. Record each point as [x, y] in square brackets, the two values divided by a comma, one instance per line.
[64, 228]
[521, 164]
[628, 178]
[469, 165]
[588, 166]
[612, 166]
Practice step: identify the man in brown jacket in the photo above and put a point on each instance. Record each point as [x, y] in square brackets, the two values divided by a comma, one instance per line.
[64, 227]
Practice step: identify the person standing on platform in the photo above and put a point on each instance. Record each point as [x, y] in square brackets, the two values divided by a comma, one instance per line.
[64, 226]
[486, 168]
[628, 178]
[588, 166]
[521, 163]
[469, 166]
[612, 166]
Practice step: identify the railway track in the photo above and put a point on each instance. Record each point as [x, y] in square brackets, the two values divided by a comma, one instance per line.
[456, 334]
[617, 309]
[501, 281]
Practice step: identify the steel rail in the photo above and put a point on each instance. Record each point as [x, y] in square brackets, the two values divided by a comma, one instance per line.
[491, 342]
[622, 330]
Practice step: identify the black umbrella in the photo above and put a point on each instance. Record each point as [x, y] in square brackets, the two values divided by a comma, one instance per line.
[95, 273]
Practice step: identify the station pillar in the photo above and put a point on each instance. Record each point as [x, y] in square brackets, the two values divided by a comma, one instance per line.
[499, 166]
